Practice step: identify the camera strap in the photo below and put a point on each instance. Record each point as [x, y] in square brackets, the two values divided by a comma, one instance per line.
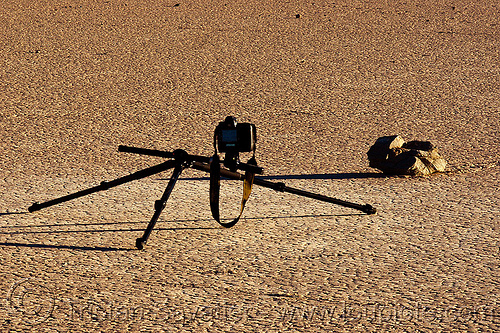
[215, 189]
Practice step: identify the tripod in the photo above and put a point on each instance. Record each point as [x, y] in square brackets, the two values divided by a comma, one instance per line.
[180, 160]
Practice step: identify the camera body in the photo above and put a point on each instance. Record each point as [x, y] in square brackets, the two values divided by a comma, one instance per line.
[233, 137]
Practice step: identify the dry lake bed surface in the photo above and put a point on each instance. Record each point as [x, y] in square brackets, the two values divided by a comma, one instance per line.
[322, 80]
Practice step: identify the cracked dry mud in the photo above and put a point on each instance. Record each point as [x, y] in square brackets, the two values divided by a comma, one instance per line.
[321, 81]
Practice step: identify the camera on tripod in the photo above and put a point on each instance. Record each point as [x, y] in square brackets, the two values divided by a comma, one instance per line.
[232, 138]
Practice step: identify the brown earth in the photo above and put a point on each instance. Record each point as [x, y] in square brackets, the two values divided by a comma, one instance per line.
[321, 80]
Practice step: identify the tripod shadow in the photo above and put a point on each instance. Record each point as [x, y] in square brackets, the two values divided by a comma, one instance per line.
[114, 249]
[67, 247]
[344, 175]
[77, 231]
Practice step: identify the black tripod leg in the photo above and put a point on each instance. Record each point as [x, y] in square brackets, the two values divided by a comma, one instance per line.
[105, 185]
[281, 187]
[159, 206]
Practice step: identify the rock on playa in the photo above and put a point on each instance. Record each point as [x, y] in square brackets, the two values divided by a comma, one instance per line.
[392, 155]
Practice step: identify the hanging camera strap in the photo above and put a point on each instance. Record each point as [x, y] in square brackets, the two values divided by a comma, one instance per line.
[215, 189]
